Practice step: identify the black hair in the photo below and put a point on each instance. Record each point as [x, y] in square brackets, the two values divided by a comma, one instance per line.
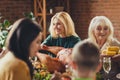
[23, 33]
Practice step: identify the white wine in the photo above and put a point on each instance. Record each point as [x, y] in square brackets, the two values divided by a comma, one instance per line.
[107, 64]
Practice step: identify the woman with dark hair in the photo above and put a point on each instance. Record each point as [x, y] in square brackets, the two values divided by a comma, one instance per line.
[23, 41]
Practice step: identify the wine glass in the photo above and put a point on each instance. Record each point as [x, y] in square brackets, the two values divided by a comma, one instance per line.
[107, 64]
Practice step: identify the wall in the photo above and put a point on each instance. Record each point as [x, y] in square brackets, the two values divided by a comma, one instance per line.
[14, 9]
[82, 11]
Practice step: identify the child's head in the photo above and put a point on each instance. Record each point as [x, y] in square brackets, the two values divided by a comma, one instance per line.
[85, 57]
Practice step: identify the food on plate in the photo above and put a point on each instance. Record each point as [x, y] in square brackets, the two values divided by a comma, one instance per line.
[113, 48]
[111, 51]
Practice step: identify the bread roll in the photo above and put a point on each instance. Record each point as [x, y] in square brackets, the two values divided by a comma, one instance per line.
[113, 48]
[111, 53]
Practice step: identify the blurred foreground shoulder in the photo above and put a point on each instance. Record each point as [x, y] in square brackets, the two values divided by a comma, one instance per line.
[13, 68]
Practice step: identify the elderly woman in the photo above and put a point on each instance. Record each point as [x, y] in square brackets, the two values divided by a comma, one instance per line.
[101, 33]
[62, 33]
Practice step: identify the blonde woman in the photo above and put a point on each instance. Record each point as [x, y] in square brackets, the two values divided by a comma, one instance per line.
[60, 42]
[62, 33]
[101, 33]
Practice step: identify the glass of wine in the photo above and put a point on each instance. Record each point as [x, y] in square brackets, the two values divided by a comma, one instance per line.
[107, 64]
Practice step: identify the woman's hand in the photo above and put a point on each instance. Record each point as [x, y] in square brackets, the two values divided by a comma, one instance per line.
[116, 57]
[63, 55]
[53, 49]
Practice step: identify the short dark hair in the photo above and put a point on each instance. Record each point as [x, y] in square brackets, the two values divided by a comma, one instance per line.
[86, 55]
[23, 32]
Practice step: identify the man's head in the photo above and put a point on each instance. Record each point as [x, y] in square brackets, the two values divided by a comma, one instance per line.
[85, 56]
